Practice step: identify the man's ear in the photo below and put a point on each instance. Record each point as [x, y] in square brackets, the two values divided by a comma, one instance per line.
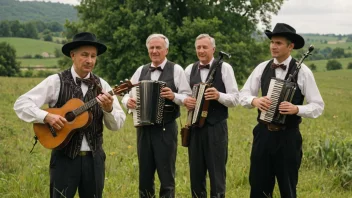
[72, 54]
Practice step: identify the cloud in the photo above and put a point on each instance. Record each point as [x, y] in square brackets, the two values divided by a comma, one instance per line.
[71, 2]
[316, 16]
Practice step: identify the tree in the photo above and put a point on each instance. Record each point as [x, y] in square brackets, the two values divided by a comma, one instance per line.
[333, 65]
[313, 67]
[30, 31]
[338, 53]
[47, 35]
[55, 27]
[5, 29]
[124, 26]
[349, 66]
[8, 64]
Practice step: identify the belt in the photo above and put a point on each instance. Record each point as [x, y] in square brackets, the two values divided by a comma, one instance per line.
[273, 127]
[85, 153]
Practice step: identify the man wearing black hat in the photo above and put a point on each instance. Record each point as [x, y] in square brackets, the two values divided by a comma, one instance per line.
[277, 151]
[81, 163]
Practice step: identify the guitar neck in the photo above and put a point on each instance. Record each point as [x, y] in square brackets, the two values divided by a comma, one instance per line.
[88, 105]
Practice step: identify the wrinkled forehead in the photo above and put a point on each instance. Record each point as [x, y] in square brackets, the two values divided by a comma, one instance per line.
[157, 42]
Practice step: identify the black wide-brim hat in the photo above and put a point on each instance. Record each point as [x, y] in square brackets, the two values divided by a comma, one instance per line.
[81, 39]
[282, 29]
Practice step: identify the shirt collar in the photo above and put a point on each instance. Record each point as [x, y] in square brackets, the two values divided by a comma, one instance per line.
[210, 63]
[285, 62]
[75, 75]
[162, 65]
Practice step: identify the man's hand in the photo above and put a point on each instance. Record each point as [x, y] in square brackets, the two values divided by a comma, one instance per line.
[189, 103]
[105, 101]
[131, 103]
[55, 121]
[288, 108]
[262, 103]
[167, 93]
[211, 94]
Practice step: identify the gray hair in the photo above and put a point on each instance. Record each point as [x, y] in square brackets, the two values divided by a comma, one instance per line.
[152, 36]
[212, 40]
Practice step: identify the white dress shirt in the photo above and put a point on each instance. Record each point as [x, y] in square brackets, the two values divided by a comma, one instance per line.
[27, 106]
[179, 80]
[231, 97]
[305, 81]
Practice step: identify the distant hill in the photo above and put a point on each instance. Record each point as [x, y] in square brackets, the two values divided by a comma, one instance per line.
[24, 11]
[26, 46]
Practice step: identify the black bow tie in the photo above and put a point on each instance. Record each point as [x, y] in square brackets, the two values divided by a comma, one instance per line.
[151, 68]
[204, 66]
[86, 81]
[282, 66]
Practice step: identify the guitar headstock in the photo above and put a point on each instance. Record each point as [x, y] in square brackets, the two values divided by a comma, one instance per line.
[123, 88]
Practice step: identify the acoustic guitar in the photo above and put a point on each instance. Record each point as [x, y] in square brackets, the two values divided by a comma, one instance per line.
[77, 116]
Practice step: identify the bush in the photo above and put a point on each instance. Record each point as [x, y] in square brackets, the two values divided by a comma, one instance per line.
[8, 64]
[333, 65]
[349, 66]
[27, 56]
[313, 67]
[38, 56]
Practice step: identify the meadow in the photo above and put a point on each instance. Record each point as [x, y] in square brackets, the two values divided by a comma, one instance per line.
[43, 62]
[26, 175]
[26, 46]
[321, 64]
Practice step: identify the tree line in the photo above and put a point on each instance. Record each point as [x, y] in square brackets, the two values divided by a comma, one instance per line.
[30, 29]
[124, 25]
[26, 11]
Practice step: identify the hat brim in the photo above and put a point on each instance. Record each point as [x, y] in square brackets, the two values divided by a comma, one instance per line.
[297, 39]
[68, 47]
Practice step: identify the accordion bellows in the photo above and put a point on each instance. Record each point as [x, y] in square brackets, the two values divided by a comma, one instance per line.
[150, 105]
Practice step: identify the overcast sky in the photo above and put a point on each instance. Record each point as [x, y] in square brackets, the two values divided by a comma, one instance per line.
[306, 16]
[316, 16]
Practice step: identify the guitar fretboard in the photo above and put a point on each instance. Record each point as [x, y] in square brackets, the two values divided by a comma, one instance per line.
[88, 105]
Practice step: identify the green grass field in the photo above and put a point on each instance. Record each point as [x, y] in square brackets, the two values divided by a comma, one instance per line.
[45, 62]
[321, 64]
[26, 46]
[26, 175]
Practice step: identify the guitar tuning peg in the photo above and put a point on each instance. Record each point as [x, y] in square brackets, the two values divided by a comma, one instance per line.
[126, 79]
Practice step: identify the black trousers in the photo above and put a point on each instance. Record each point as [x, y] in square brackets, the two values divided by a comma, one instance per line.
[275, 154]
[87, 173]
[157, 152]
[207, 151]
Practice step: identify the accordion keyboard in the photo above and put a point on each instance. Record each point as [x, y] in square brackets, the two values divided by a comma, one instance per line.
[273, 94]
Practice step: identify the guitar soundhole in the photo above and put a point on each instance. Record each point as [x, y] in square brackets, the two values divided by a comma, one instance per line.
[70, 116]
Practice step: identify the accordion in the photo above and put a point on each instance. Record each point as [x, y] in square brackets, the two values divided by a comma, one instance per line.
[150, 105]
[279, 91]
[200, 112]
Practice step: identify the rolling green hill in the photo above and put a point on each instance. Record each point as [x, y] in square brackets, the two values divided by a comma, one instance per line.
[321, 64]
[36, 11]
[25, 46]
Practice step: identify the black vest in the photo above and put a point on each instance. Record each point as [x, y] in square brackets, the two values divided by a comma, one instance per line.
[217, 111]
[298, 98]
[167, 76]
[94, 132]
